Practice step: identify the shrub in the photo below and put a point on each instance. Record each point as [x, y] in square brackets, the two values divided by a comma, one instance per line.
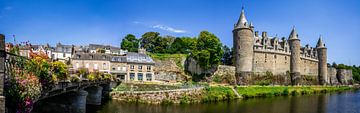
[92, 77]
[107, 76]
[60, 70]
[75, 78]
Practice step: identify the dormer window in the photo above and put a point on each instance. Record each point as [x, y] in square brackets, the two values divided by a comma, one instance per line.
[91, 56]
[104, 57]
[78, 56]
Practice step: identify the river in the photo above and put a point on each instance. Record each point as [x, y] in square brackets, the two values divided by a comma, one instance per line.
[344, 102]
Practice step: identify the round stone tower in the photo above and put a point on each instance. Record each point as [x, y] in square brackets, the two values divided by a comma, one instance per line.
[243, 46]
[294, 43]
[322, 65]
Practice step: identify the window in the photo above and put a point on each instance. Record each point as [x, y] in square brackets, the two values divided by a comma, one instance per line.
[140, 76]
[148, 68]
[121, 77]
[104, 65]
[77, 65]
[95, 66]
[132, 67]
[275, 56]
[140, 67]
[132, 76]
[149, 77]
[124, 68]
[113, 68]
[63, 54]
[87, 65]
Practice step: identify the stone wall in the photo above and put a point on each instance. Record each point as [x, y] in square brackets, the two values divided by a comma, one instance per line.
[168, 70]
[2, 73]
[224, 74]
[331, 78]
[194, 68]
[158, 97]
[339, 76]
[279, 63]
[344, 76]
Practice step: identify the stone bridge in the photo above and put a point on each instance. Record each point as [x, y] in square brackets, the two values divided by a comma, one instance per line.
[67, 97]
[64, 97]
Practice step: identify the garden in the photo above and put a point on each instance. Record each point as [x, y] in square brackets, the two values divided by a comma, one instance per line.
[27, 78]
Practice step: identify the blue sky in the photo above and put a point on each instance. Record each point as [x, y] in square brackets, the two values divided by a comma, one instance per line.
[106, 22]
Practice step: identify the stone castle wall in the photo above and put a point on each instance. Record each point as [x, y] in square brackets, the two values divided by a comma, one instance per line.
[279, 63]
[157, 97]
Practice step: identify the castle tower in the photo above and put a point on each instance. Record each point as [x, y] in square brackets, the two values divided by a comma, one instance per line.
[243, 45]
[294, 43]
[322, 65]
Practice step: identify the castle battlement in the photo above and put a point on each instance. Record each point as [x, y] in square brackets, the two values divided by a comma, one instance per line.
[280, 56]
[266, 43]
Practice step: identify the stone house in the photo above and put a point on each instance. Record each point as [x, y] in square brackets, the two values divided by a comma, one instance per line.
[92, 61]
[140, 67]
[62, 52]
[128, 67]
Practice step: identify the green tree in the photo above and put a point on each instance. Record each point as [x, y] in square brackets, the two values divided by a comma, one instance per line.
[149, 41]
[130, 43]
[163, 44]
[227, 57]
[208, 51]
[183, 45]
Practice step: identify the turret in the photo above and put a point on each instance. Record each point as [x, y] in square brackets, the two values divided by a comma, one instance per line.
[322, 65]
[294, 43]
[243, 43]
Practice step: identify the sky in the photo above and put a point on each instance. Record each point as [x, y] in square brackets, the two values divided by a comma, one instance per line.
[81, 22]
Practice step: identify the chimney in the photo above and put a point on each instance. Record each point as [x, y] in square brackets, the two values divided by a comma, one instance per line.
[142, 51]
[256, 33]
[264, 34]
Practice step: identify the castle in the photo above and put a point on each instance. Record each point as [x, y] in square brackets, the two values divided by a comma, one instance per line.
[256, 55]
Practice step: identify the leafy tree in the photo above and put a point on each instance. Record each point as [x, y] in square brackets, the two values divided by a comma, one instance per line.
[130, 43]
[208, 51]
[227, 57]
[334, 65]
[183, 45]
[149, 41]
[163, 44]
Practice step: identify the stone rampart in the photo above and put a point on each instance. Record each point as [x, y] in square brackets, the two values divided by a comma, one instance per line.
[157, 97]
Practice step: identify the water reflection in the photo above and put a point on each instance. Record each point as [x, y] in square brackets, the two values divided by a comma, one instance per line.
[325, 103]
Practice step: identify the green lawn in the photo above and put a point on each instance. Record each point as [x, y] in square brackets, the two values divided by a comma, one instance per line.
[263, 91]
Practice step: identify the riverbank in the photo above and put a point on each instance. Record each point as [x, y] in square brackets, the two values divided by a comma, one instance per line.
[218, 93]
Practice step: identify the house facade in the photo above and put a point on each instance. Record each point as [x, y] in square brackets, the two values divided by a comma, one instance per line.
[128, 67]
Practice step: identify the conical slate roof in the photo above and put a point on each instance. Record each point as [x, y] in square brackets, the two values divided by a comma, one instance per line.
[320, 43]
[242, 22]
[293, 34]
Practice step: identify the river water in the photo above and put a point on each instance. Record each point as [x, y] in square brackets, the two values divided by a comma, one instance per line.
[344, 102]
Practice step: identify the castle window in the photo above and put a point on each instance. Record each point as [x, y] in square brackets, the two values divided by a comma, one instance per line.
[265, 55]
[285, 57]
[275, 56]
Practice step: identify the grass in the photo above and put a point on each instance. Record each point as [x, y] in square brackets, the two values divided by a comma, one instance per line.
[218, 93]
[265, 91]
[176, 57]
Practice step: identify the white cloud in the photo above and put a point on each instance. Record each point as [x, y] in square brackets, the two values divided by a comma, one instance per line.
[168, 28]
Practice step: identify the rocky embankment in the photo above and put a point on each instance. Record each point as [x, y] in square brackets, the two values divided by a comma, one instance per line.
[169, 67]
